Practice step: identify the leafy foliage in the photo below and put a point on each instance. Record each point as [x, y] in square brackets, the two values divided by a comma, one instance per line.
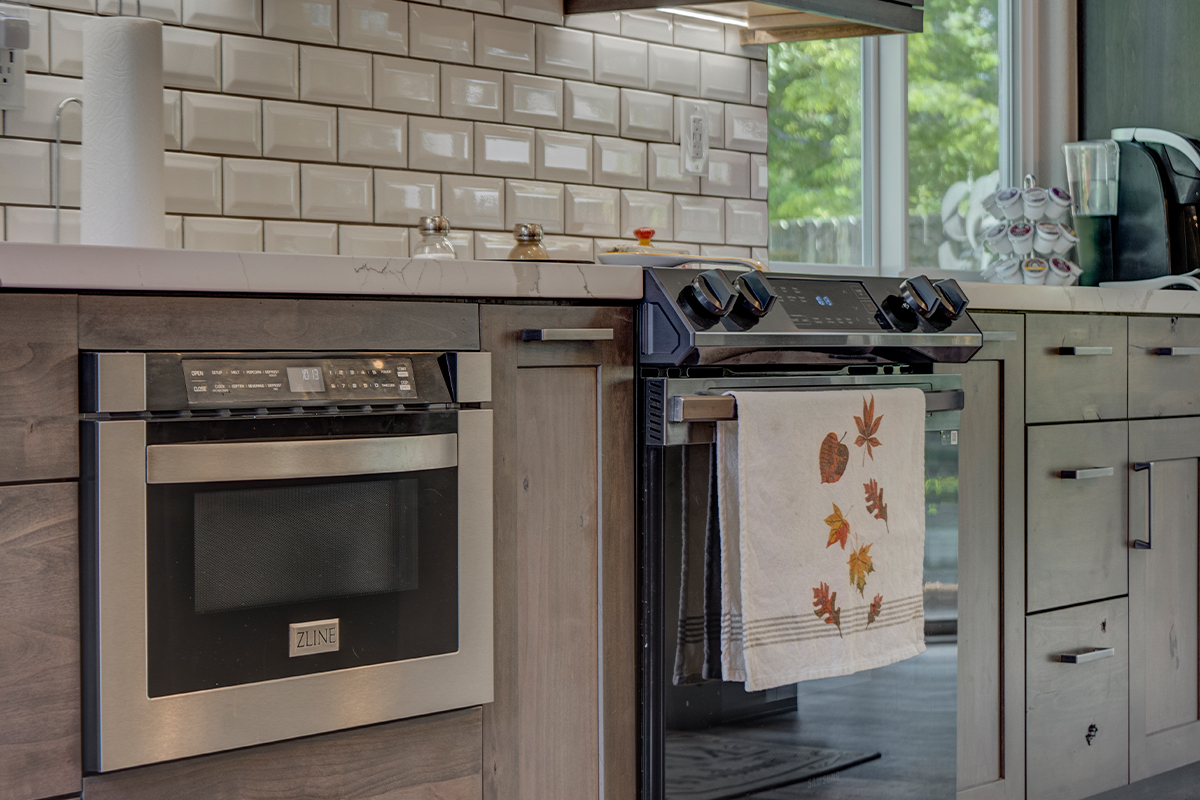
[833, 458]
[860, 566]
[825, 604]
[875, 504]
[876, 607]
[839, 528]
[868, 426]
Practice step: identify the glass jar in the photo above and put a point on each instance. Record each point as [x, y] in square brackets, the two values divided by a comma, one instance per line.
[529, 242]
[434, 243]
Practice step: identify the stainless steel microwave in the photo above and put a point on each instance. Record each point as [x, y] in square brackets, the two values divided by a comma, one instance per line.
[281, 544]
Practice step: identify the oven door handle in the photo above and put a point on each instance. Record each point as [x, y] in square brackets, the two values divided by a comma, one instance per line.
[212, 462]
[720, 408]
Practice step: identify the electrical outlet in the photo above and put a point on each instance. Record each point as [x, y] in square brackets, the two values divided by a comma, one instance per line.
[12, 79]
[693, 140]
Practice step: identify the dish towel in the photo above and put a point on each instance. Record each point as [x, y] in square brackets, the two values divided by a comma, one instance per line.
[822, 525]
[698, 641]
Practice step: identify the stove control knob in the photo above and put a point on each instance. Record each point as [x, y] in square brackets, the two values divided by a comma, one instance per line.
[954, 300]
[755, 296]
[920, 296]
[898, 315]
[711, 293]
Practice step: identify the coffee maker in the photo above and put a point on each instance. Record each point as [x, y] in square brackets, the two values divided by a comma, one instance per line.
[1157, 228]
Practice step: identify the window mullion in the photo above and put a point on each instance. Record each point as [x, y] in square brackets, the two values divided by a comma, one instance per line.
[870, 154]
[892, 226]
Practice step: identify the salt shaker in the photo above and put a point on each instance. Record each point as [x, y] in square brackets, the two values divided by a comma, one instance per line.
[529, 242]
[434, 243]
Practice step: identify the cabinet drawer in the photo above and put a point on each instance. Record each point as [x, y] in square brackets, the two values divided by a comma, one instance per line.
[1064, 702]
[1074, 367]
[1164, 366]
[1077, 478]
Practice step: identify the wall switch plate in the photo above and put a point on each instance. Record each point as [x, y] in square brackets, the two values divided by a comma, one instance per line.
[12, 79]
[693, 140]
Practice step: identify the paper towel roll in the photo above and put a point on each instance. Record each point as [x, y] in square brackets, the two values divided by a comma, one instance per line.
[121, 181]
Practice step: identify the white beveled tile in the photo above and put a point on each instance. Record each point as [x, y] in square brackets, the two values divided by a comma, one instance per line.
[191, 58]
[216, 123]
[619, 162]
[441, 145]
[536, 10]
[759, 176]
[71, 175]
[533, 100]
[568, 248]
[492, 246]
[471, 93]
[503, 151]
[646, 210]
[43, 93]
[173, 231]
[483, 6]
[734, 46]
[260, 67]
[463, 242]
[564, 53]
[36, 225]
[598, 22]
[647, 115]
[591, 210]
[724, 78]
[621, 62]
[746, 128]
[379, 25]
[724, 251]
[305, 20]
[172, 119]
[192, 183]
[312, 238]
[664, 173]
[66, 43]
[691, 248]
[758, 83]
[441, 34]
[259, 188]
[70, 5]
[504, 44]
[728, 174]
[699, 34]
[373, 241]
[339, 77]
[716, 120]
[590, 108]
[299, 131]
[762, 255]
[222, 233]
[473, 202]
[403, 197]
[374, 138]
[674, 70]
[564, 157]
[531, 201]
[161, 10]
[345, 194]
[699, 219]
[746, 222]
[37, 57]
[402, 84]
[237, 16]
[653, 26]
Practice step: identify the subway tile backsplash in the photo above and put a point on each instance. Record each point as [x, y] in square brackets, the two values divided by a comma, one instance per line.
[332, 126]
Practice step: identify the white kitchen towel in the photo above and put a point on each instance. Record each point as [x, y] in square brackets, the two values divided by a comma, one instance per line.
[822, 509]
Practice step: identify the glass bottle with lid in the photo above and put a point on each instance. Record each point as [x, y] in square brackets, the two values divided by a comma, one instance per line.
[434, 243]
[529, 242]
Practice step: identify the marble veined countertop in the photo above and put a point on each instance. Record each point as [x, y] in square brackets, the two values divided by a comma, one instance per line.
[1081, 299]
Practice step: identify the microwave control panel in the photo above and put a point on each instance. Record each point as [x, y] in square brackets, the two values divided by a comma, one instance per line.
[277, 381]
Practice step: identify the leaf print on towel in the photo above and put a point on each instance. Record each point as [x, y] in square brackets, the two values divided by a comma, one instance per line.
[839, 528]
[826, 609]
[860, 565]
[868, 426]
[833, 458]
[876, 607]
[875, 504]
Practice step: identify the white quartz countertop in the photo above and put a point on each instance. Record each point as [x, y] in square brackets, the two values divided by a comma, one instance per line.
[90, 267]
[1080, 299]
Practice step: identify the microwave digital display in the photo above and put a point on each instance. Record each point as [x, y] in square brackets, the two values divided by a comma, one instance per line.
[305, 379]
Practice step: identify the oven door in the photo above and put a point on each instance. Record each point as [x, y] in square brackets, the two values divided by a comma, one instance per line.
[259, 579]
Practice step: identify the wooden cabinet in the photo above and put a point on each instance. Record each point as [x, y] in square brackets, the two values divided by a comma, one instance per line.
[1164, 366]
[563, 722]
[1074, 367]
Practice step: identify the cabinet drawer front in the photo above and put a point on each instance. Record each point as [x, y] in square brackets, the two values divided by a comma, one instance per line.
[1063, 701]
[1164, 366]
[1077, 545]
[1074, 367]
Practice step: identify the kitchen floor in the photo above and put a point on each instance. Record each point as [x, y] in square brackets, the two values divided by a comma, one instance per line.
[1179, 784]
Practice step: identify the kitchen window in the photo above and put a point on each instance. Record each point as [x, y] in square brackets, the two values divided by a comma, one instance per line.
[881, 148]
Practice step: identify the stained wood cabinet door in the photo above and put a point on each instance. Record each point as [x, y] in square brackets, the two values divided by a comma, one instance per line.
[1164, 511]
[563, 721]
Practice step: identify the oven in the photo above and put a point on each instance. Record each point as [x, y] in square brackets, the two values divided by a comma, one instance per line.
[281, 544]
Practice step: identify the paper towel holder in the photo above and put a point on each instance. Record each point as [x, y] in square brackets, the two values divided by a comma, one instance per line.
[58, 165]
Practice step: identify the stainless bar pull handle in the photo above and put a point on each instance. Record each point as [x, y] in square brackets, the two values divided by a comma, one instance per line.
[723, 408]
[1084, 474]
[1176, 351]
[567, 334]
[999, 336]
[1095, 654]
[1147, 467]
[1085, 351]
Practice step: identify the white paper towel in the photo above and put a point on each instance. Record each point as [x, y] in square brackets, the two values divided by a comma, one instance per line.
[121, 185]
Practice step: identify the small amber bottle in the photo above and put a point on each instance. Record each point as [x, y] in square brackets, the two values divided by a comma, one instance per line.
[529, 242]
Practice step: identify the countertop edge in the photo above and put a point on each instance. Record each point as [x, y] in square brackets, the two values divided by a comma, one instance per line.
[1081, 299]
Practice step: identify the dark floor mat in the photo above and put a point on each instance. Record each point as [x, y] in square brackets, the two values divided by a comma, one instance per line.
[704, 766]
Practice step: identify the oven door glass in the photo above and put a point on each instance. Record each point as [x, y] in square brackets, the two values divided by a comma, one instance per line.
[279, 572]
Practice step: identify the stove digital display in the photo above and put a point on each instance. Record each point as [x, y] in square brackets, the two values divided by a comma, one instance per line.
[837, 305]
[305, 379]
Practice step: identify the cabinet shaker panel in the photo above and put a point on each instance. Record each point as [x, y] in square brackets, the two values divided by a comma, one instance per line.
[1074, 367]
[1164, 366]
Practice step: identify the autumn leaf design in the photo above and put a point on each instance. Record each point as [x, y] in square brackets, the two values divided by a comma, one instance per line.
[875, 505]
[826, 609]
[833, 458]
[868, 426]
[839, 528]
[876, 607]
[860, 565]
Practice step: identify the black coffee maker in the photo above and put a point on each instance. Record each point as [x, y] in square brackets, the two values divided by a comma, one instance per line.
[1158, 200]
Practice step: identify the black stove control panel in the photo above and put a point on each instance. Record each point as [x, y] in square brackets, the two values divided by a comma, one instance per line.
[827, 305]
[274, 381]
